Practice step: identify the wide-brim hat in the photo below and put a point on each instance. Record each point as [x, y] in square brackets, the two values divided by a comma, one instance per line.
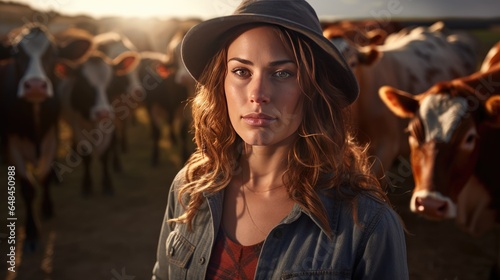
[202, 41]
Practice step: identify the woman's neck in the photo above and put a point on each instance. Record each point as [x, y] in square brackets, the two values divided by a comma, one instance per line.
[262, 168]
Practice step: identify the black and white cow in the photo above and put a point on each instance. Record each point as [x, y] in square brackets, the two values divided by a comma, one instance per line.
[88, 109]
[30, 109]
[165, 101]
[125, 87]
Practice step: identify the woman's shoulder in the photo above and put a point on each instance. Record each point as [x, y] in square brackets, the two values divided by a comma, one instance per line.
[361, 208]
[179, 180]
[177, 183]
[372, 208]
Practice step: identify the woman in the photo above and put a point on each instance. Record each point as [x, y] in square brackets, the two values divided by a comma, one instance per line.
[277, 188]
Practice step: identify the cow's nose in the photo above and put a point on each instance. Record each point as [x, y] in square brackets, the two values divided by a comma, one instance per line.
[35, 84]
[102, 114]
[431, 207]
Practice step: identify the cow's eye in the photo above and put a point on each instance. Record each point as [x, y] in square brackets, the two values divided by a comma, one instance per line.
[469, 141]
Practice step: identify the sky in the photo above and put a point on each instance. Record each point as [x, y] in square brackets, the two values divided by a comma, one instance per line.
[326, 9]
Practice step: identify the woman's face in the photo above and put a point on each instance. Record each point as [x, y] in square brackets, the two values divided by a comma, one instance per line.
[262, 89]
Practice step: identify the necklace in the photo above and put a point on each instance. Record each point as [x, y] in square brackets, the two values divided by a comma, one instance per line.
[249, 214]
[254, 191]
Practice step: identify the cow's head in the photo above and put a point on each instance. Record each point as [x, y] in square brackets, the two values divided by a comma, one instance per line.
[35, 53]
[445, 141]
[115, 45]
[153, 69]
[90, 93]
[356, 54]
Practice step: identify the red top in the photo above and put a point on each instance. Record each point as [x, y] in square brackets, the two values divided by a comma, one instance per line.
[231, 260]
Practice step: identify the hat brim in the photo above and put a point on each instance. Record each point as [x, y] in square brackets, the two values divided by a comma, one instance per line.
[202, 41]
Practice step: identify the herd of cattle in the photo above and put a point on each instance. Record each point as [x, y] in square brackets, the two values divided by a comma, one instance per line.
[93, 83]
[428, 81]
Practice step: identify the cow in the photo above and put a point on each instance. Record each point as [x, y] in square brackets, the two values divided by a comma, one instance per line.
[361, 33]
[348, 36]
[113, 45]
[30, 110]
[89, 112]
[183, 78]
[412, 60]
[124, 87]
[454, 135]
[165, 102]
[169, 101]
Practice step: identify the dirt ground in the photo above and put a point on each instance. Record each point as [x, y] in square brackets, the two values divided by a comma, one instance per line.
[115, 238]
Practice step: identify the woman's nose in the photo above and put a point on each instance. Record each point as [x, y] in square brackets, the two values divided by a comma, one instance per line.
[259, 90]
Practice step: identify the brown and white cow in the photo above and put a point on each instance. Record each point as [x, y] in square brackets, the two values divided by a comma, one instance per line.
[455, 153]
[412, 60]
[30, 109]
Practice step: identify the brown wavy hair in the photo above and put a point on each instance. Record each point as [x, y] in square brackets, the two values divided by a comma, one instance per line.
[324, 157]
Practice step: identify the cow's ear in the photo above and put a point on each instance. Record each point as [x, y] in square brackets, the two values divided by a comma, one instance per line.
[6, 51]
[401, 103]
[162, 70]
[376, 37]
[77, 50]
[368, 55]
[126, 62]
[492, 106]
[63, 69]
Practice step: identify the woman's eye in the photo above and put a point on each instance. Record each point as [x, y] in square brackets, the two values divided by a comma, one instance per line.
[241, 72]
[282, 74]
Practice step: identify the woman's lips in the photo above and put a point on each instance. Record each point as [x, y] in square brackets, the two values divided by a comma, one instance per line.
[258, 119]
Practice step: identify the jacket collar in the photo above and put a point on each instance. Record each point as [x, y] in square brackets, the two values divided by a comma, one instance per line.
[332, 208]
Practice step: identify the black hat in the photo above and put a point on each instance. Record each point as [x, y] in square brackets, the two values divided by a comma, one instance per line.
[203, 40]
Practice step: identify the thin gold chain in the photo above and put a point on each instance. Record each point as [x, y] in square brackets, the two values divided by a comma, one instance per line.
[245, 186]
[249, 214]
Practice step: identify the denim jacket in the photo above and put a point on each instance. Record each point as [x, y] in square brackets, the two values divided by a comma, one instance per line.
[297, 248]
